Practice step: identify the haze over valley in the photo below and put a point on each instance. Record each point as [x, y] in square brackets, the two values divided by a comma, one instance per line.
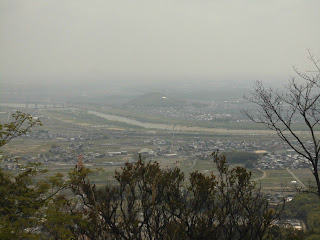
[168, 81]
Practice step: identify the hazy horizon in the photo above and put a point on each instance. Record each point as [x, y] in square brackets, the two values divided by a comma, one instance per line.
[145, 42]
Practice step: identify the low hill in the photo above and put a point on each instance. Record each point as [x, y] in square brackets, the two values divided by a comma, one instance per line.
[156, 99]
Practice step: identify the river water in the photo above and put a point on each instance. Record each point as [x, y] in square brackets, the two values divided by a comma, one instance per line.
[131, 121]
[157, 125]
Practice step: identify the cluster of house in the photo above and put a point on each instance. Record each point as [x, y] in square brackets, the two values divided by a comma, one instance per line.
[70, 153]
[46, 135]
[289, 223]
[13, 166]
[187, 113]
[280, 161]
[274, 154]
[195, 111]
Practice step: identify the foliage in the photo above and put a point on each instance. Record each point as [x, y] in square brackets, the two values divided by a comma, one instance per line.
[241, 157]
[24, 200]
[153, 203]
[61, 219]
[36, 209]
[285, 233]
[22, 124]
[305, 207]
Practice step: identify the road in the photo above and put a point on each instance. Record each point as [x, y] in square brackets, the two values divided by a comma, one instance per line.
[264, 174]
[194, 163]
[296, 178]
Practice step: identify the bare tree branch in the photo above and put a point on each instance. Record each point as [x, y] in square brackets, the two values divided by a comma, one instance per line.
[301, 101]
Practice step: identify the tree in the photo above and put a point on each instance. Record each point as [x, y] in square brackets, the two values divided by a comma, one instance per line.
[300, 102]
[24, 202]
[241, 157]
[22, 124]
[149, 202]
[305, 207]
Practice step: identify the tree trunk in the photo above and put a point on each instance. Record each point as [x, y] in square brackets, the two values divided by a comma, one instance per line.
[316, 175]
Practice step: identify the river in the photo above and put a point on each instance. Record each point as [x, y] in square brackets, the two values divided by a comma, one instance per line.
[131, 121]
[160, 125]
[177, 127]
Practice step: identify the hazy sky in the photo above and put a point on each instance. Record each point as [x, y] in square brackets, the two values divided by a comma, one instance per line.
[131, 39]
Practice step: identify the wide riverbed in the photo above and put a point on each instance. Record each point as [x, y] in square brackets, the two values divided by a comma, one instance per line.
[131, 121]
[160, 125]
[177, 127]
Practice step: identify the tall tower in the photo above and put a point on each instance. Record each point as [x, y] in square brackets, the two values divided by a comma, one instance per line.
[79, 165]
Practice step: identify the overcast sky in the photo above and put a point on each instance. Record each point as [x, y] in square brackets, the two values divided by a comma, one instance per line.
[77, 40]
